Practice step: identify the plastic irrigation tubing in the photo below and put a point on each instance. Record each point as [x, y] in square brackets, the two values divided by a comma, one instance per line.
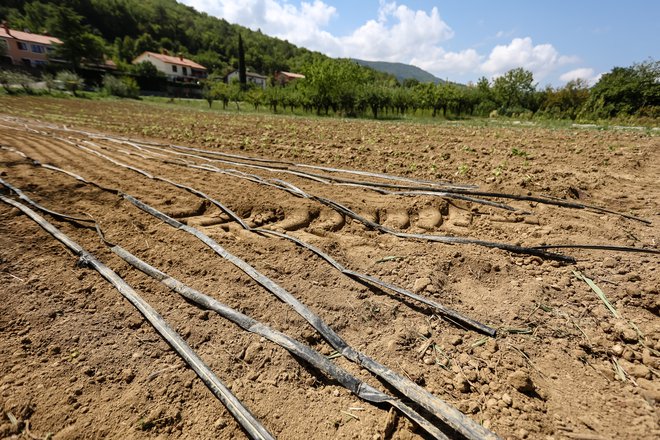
[448, 414]
[356, 386]
[457, 189]
[302, 165]
[442, 310]
[439, 408]
[600, 247]
[242, 415]
[373, 225]
[313, 357]
[329, 180]
[448, 189]
[445, 239]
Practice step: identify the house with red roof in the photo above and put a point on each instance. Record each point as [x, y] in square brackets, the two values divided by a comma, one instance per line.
[176, 68]
[283, 78]
[26, 48]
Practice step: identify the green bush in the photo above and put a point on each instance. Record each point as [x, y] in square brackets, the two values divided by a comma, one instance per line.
[125, 87]
[9, 78]
[70, 81]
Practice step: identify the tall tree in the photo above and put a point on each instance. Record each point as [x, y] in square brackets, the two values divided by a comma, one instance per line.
[514, 89]
[242, 73]
[78, 42]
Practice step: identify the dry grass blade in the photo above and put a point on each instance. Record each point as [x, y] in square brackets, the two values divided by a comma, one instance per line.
[599, 292]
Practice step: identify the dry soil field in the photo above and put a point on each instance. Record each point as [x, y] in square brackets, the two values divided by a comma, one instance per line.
[77, 360]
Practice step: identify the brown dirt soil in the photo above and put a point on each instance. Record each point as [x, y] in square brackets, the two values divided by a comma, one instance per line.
[78, 361]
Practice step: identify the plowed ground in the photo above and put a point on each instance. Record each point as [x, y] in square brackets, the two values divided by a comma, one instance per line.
[78, 361]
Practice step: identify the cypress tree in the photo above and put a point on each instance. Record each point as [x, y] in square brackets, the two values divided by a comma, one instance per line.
[242, 74]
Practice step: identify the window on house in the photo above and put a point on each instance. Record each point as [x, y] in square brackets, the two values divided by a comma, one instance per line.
[37, 49]
[21, 45]
[184, 70]
[174, 69]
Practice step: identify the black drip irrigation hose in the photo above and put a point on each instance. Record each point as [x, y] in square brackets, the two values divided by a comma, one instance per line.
[440, 409]
[313, 357]
[446, 191]
[242, 415]
[341, 182]
[373, 225]
[302, 351]
[598, 247]
[452, 315]
[445, 312]
[451, 189]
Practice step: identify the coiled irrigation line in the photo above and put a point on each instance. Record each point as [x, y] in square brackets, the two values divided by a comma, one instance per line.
[440, 409]
[242, 415]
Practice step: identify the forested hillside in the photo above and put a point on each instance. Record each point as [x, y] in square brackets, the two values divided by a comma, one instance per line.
[401, 71]
[130, 27]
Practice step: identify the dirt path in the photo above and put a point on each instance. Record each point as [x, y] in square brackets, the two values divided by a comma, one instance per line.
[78, 361]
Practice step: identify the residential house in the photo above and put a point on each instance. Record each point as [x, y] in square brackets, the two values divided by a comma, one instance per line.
[250, 77]
[26, 48]
[283, 78]
[176, 68]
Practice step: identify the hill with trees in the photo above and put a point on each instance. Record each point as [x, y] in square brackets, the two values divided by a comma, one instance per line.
[130, 27]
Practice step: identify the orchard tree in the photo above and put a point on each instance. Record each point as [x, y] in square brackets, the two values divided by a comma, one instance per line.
[514, 90]
[626, 90]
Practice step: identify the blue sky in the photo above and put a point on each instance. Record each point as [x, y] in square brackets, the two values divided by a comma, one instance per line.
[463, 40]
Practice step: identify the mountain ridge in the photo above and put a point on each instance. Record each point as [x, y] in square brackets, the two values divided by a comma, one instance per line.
[401, 71]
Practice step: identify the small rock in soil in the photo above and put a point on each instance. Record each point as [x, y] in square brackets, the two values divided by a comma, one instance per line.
[521, 381]
[455, 340]
[420, 284]
[609, 262]
[424, 330]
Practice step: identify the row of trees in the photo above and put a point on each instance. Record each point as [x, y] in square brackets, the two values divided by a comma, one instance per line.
[342, 87]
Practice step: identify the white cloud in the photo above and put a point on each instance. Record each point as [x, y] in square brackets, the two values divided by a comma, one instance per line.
[540, 59]
[585, 73]
[300, 25]
[398, 33]
[460, 63]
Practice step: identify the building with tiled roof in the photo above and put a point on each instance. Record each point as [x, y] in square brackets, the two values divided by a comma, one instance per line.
[174, 67]
[26, 48]
[286, 77]
[250, 77]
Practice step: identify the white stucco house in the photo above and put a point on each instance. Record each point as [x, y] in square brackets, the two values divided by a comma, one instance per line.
[176, 68]
[251, 77]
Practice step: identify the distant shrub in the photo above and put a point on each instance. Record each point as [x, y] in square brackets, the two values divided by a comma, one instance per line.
[125, 87]
[70, 80]
[9, 78]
